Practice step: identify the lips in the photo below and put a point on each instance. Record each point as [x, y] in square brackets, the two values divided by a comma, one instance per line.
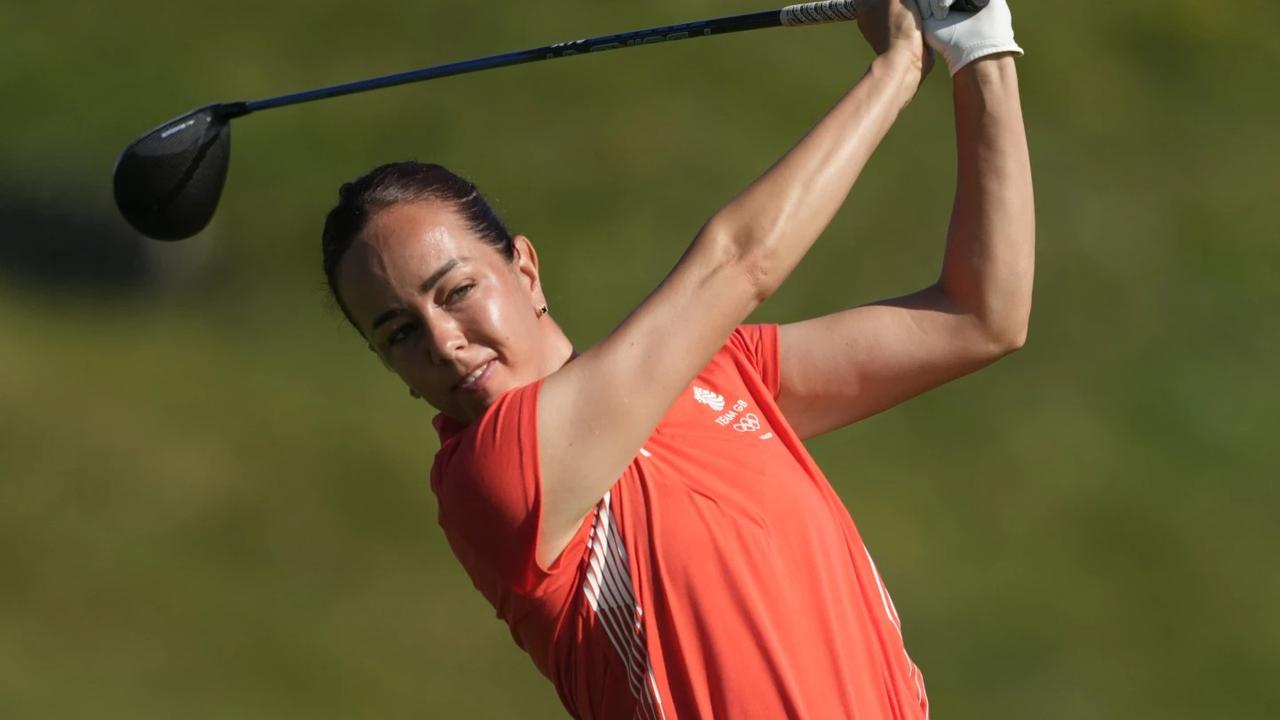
[474, 380]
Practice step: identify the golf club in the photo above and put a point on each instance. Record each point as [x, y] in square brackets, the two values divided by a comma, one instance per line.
[167, 182]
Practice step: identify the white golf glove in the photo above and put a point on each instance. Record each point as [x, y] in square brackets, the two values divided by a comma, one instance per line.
[962, 37]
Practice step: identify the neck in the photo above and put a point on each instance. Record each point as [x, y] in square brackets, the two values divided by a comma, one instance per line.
[559, 349]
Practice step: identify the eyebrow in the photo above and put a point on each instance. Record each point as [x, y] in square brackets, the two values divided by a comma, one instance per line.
[423, 289]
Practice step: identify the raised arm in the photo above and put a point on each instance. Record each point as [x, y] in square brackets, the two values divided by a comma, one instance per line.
[843, 367]
[596, 412]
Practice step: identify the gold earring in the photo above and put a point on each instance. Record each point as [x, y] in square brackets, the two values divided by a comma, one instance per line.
[543, 310]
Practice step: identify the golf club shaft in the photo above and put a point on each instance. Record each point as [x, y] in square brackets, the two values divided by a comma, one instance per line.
[812, 13]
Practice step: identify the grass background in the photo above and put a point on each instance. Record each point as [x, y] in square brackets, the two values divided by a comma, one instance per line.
[213, 503]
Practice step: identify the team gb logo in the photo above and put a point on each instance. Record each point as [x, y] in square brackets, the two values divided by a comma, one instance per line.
[706, 397]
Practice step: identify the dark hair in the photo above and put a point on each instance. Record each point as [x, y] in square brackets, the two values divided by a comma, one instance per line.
[401, 182]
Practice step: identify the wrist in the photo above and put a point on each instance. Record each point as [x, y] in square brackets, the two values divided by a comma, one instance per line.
[904, 65]
[986, 75]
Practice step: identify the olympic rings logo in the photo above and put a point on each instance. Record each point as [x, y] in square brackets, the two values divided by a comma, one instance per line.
[748, 423]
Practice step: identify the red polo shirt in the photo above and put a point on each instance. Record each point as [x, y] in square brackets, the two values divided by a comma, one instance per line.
[720, 577]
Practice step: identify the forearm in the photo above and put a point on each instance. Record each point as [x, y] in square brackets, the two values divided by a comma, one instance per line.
[990, 256]
[772, 223]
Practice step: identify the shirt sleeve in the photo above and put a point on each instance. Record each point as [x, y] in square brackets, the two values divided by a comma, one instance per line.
[758, 344]
[488, 486]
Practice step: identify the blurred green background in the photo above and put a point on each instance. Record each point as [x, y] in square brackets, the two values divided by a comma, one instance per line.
[214, 502]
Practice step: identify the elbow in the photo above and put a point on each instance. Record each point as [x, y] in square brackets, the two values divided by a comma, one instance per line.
[744, 253]
[762, 276]
[995, 326]
[1013, 342]
[1009, 335]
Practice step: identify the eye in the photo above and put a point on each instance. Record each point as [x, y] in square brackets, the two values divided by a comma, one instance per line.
[459, 293]
[398, 334]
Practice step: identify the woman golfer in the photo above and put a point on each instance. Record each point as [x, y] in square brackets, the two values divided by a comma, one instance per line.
[643, 513]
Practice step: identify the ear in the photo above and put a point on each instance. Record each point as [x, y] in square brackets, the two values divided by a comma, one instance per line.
[525, 265]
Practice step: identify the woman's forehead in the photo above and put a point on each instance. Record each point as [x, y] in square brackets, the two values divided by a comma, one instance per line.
[419, 226]
[401, 250]
[411, 239]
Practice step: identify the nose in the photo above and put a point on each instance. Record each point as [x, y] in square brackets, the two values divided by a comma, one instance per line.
[444, 339]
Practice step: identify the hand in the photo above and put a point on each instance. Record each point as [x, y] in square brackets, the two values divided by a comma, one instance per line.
[963, 37]
[893, 25]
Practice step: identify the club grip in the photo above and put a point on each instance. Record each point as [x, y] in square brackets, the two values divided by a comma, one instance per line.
[814, 13]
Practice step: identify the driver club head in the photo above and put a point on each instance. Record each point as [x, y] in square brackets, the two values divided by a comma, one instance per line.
[167, 182]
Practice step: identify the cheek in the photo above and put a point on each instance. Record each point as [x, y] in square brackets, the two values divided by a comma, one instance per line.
[505, 319]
